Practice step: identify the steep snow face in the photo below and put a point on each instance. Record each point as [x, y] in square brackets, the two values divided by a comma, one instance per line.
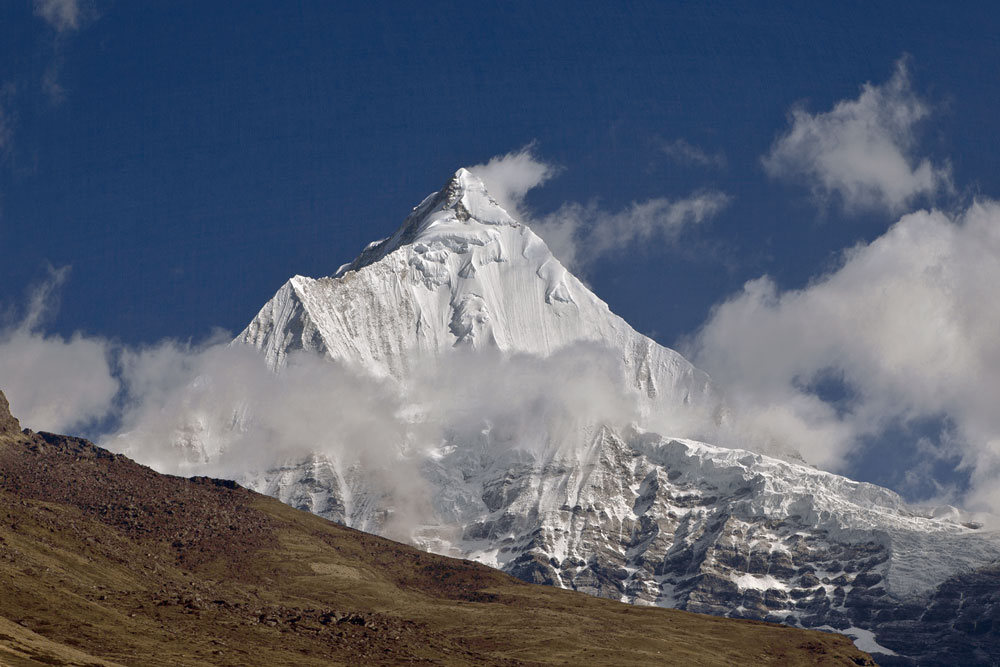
[460, 272]
[605, 508]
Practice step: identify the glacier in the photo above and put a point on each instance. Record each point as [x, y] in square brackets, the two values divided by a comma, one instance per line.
[635, 507]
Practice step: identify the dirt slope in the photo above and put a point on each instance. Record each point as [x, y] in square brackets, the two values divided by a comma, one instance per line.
[103, 561]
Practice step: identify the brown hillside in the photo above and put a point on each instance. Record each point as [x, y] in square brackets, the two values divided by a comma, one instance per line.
[103, 561]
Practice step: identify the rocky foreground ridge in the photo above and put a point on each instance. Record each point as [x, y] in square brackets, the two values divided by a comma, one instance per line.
[106, 562]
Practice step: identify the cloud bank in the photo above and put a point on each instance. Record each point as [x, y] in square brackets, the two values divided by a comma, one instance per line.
[54, 383]
[219, 410]
[904, 331]
[861, 152]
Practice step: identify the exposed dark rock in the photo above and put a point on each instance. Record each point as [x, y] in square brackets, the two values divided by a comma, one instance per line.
[867, 579]
[534, 569]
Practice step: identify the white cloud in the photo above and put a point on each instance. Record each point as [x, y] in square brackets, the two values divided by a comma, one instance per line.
[219, 410]
[684, 152]
[62, 15]
[53, 383]
[907, 326]
[578, 235]
[56, 384]
[508, 178]
[861, 152]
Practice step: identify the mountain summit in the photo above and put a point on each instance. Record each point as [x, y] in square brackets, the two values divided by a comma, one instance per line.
[461, 207]
[564, 492]
[461, 272]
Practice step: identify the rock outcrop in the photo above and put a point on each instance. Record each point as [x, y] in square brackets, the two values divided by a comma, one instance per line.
[8, 423]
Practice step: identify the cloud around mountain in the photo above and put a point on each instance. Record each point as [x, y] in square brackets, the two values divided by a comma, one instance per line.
[579, 234]
[905, 327]
[55, 383]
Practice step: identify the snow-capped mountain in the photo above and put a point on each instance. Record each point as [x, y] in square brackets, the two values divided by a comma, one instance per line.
[460, 272]
[605, 506]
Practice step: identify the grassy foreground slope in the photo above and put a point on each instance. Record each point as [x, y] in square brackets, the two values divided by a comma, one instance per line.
[106, 562]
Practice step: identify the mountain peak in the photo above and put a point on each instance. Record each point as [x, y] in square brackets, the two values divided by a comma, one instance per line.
[464, 179]
[465, 190]
[463, 205]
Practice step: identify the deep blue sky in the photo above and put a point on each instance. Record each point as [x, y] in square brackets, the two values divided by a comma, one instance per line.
[199, 157]
[186, 158]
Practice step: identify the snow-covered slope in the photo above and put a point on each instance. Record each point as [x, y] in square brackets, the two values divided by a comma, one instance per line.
[593, 505]
[460, 272]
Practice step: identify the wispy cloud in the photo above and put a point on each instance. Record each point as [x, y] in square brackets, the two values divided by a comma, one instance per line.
[683, 152]
[62, 15]
[578, 234]
[51, 85]
[861, 152]
[905, 330]
[581, 234]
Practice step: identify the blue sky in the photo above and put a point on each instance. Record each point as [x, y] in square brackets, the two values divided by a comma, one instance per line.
[185, 160]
